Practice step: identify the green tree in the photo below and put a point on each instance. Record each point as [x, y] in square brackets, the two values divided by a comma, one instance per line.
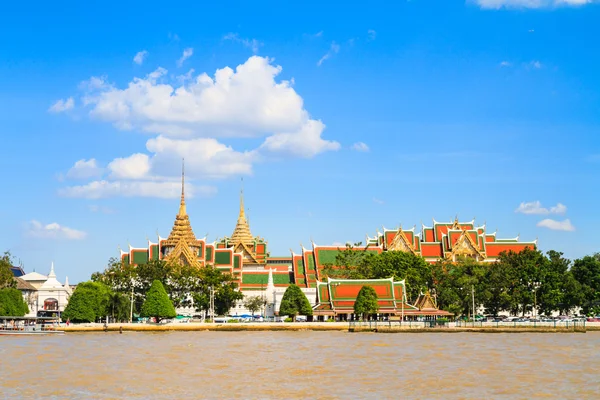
[225, 290]
[457, 282]
[399, 265]
[294, 303]
[254, 303]
[157, 303]
[366, 302]
[119, 306]
[12, 303]
[88, 303]
[586, 271]
[6, 275]
[347, 263]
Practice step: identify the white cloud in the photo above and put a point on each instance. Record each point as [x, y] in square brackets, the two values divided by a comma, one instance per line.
[378, 201]
[140, 57]
[62, 105]
[135, 166]
[497, 4]
[85, 169]
[360, 146]
[191, 119]
[557, 225]
[187, 53]
[306, 142]
[100, 209]
[333, 49]
[53, 231]
[535, 64]
[371, 34]
[165, 190]
[506, 64]
[535, 207]
[245, 102]
[252, 44]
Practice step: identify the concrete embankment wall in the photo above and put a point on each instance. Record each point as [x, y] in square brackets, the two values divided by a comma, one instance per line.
[314, 326]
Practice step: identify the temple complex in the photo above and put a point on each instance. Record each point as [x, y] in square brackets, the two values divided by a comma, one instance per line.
[336, 298]
[247, 258]
[441, 241]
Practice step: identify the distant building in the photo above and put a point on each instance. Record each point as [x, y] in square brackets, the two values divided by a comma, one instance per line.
[44, 293]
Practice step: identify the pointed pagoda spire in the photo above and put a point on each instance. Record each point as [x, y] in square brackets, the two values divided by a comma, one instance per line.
[182, 239]
[241, 233]
[52, 274]
[182, 210]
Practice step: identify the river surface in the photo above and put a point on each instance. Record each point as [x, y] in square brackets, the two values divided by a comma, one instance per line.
[290, 365]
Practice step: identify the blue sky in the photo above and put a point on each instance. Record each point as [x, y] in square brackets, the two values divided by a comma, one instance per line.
[341, 118]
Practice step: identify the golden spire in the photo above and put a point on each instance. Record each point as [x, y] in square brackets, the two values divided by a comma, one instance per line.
[182, 210]
[241, 233]
[182, 238]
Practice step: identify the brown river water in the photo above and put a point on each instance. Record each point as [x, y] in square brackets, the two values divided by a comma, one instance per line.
[291, 365]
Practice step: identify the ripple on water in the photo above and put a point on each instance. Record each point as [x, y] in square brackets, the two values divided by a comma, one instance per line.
[301, 364]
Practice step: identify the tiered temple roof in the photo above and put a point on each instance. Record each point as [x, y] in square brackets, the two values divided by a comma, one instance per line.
[182, 246]
[337, 296]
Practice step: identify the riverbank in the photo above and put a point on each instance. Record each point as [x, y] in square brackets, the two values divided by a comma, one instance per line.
[315, 326]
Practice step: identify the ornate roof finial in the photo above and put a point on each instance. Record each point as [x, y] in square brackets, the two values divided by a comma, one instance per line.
[241, 233]
[182, 210]
[52, 274]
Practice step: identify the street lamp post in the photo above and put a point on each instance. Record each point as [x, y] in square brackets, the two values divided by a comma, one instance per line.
[535, 286]
[212, 305]
[473, 297]
[131, 304]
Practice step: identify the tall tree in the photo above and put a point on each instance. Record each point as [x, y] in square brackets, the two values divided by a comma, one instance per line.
[294, 303]
[366, 302]
[347, 263]
[12, 303]
[88, 303]
[399, 265]
[254, 303]
[586, 271]
[157, 304]
[6, 275]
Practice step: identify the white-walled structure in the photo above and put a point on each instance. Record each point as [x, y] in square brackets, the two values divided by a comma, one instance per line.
[51, 295]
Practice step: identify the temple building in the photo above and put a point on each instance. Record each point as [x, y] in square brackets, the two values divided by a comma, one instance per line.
[441, 241]
[336, 298]
[243, 255]
[247, 258]
[44, 292]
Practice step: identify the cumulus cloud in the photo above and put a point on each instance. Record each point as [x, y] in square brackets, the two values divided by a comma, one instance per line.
[306, 142]
[535, 207]
[333, 49]
[497, 4]
[371, 34]
[557, 225]
[360, 146]
[252, 44]
[187, 53]
[133, 167]
[85, 169]
[191, 116]
[53, 231]
[62, 105]
[164, 190]
[140, 57]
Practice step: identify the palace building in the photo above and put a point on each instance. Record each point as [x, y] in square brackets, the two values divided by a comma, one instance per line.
[247, 257]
